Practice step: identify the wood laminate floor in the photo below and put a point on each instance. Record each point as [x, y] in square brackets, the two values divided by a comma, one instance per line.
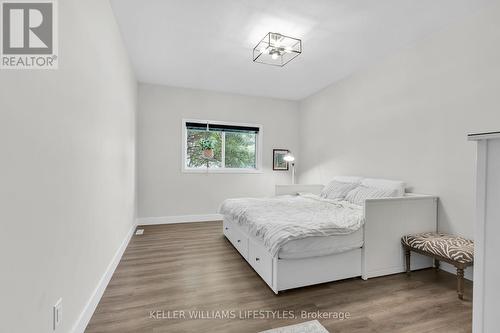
[192, 267]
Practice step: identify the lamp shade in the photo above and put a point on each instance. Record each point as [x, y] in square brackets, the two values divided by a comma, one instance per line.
[289, 157]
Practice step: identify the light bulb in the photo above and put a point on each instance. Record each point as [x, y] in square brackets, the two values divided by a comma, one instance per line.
[275, 56]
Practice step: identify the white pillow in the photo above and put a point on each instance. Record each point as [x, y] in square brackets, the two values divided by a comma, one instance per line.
[358, 195]
[349, 179]
[337, 190]
[386, 184]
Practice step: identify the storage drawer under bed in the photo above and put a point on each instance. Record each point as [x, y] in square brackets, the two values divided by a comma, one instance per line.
[260, 259]
[256, 254]
[237, 238]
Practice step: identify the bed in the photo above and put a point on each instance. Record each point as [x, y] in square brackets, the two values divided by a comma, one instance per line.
[301, 237]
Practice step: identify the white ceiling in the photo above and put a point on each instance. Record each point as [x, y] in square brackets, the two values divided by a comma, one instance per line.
[207, 44]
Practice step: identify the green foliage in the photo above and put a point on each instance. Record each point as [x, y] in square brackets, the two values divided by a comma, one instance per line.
[207, 143]
[195, 157]
[240, 150]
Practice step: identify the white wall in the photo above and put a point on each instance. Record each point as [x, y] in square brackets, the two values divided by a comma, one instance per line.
[163, 189]
[67, 171]
[407, 118]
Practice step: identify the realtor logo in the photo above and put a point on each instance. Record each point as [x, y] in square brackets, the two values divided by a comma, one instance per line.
[29, 35]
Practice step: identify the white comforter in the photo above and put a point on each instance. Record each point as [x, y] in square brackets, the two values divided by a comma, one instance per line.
[279, 220]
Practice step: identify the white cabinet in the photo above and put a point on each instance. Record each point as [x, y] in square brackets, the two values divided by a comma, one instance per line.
[487, 234]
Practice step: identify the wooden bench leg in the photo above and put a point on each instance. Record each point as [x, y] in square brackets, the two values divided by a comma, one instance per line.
[460, 283]
[408, 256]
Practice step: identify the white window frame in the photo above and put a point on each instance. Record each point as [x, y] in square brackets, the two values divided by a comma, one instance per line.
[258, 148]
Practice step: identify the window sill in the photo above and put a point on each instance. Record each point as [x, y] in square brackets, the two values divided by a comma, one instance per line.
[216, 171]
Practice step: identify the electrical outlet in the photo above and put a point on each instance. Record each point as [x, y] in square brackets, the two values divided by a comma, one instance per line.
[139, 231]
[57, 313]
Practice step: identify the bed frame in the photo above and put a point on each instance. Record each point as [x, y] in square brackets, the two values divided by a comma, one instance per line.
[386, 221]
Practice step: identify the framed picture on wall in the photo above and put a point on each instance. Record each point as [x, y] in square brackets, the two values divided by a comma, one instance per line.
[279, 163]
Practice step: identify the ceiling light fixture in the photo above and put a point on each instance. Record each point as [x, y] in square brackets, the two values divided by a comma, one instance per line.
[276, 49]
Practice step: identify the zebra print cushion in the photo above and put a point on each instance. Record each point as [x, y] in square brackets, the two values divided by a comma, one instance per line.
[452, 247]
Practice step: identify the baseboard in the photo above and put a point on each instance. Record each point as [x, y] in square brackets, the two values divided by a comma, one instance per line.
[91, 305]
[468, 273]
[178, 219]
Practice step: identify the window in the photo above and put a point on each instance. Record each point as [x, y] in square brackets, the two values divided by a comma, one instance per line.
[221, 147]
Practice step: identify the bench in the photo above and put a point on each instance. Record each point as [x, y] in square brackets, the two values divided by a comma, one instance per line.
[454, 250]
